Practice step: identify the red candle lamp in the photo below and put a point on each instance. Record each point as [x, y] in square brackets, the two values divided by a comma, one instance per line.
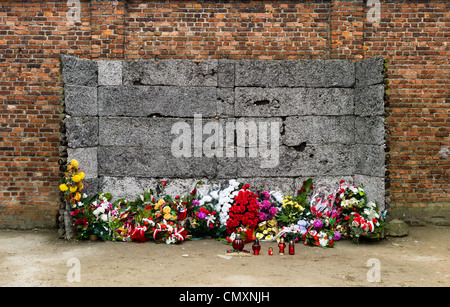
[256, 247]
[281, 246]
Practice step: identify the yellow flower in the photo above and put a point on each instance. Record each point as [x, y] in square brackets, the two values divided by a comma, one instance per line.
[265, 232]
[159, 204]
[82, 175]
[80, 186]
[166, 209]
[167, 216]
[174, 217]
[77, 196]
[73, 189]
[74, 163]
[63, 187]
[76, 178]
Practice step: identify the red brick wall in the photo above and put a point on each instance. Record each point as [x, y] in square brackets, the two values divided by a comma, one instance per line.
[33, 35]
[414, 35]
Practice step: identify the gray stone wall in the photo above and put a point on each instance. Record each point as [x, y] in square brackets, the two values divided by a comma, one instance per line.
[120, 114]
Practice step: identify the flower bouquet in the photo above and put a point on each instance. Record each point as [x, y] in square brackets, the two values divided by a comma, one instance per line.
[292, 209]
[360, 218]
[225, 201]
[169, 232]
[269, 207]
[72, 182]
[92, 217]
[244, 214]
[203, 222]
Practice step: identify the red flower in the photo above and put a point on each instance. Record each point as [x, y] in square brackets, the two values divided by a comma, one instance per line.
[244, 211]
[75, 212]
[163, 183]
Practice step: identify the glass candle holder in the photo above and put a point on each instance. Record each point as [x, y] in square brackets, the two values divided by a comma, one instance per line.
[256, 247]
[281, 246]
[291, 247]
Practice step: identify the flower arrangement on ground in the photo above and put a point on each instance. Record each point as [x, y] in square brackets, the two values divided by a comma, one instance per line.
[360, 217]
[93, 216]
[315, 216]
[270, 205]
[244, 214]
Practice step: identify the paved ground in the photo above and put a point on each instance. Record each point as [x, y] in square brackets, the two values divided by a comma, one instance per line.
[39, 258]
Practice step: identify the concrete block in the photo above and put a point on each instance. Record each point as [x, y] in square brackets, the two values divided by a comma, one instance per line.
[369, 130]
[369, 71]
[374, 187]
[152, 162]
[82, 131]
[319, 130]
[268, 102]
[77, 71]
[170, 72]
[87, 159]
[370, 160]
[293, 73]
[160, 100]
[80, 100]
[109, 72]
[369, 100]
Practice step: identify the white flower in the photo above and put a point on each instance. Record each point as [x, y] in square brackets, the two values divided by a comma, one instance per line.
[207, 199]
[278, 196]
[210, 219]
[214, 194]
[371, 214]
[323, 242]
[104, 217]
[234, 183]
[170, 240]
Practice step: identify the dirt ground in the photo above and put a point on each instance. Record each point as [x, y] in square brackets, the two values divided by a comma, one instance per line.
[39, 258]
